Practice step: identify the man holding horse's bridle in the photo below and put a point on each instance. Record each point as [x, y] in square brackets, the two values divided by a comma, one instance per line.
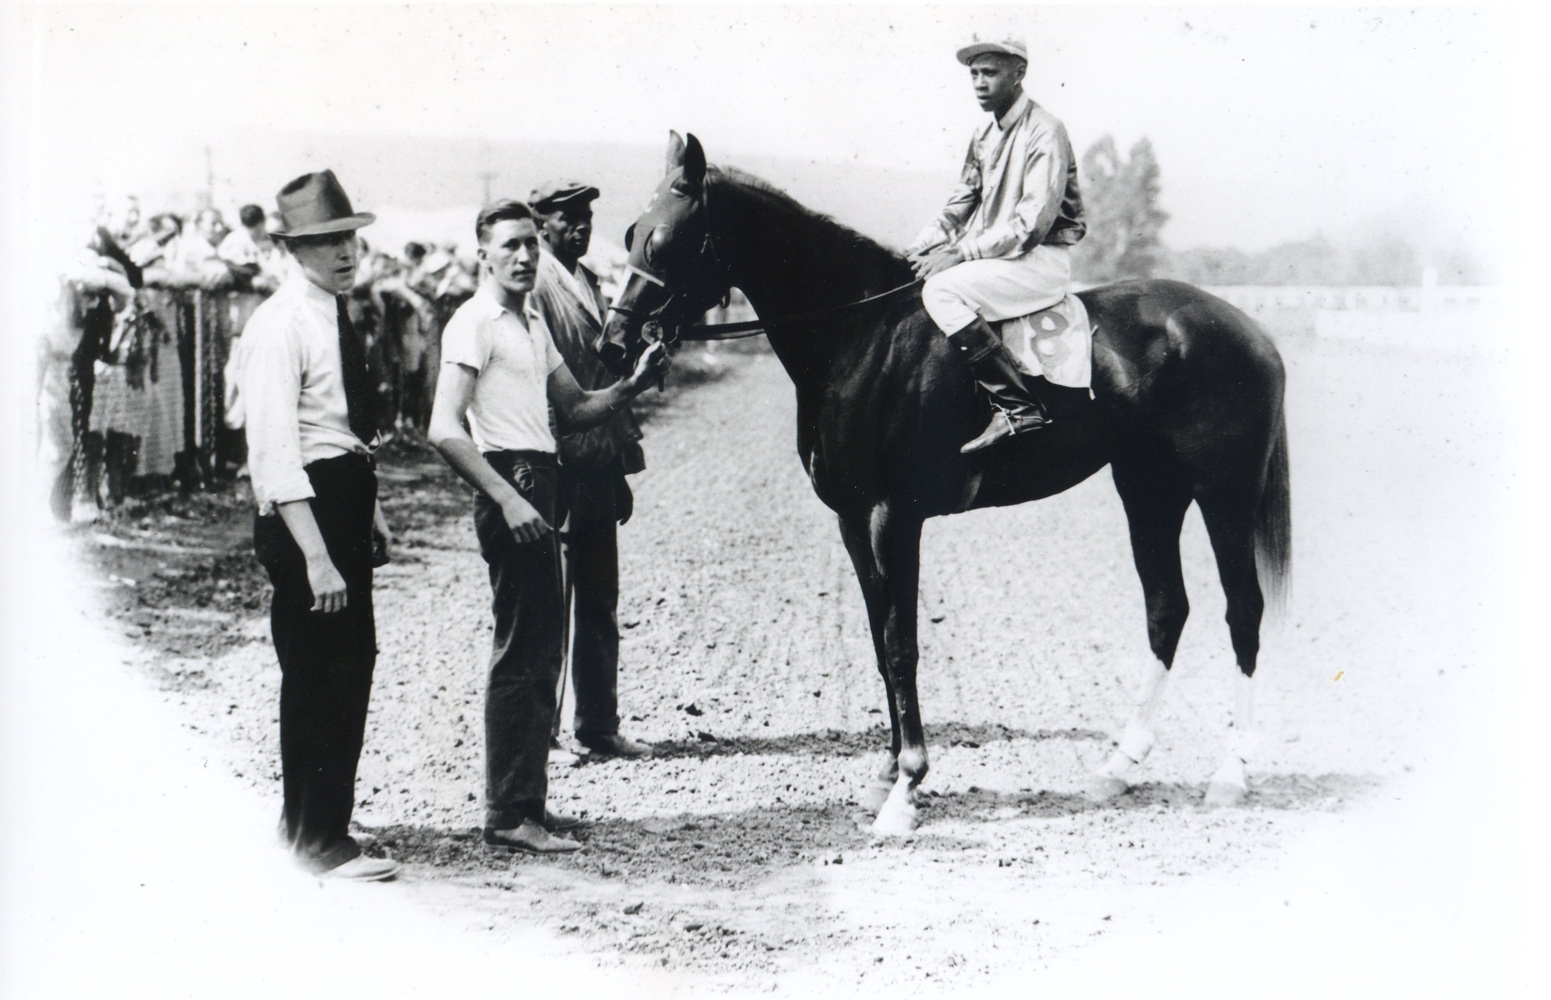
[1001, 246]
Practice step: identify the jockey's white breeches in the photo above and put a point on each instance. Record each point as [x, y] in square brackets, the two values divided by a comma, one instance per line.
[996, 290]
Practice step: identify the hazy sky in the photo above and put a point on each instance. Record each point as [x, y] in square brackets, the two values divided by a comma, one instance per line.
[1269, 123]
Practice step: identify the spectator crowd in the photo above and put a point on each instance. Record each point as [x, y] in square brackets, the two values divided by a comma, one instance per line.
[150, 301]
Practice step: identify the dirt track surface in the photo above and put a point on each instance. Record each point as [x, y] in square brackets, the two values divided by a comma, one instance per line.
[738, 856]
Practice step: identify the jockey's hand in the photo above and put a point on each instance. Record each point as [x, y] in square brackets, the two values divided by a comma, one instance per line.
[929, 264]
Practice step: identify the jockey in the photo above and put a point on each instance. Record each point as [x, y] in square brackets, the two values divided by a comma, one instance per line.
[1001, 246]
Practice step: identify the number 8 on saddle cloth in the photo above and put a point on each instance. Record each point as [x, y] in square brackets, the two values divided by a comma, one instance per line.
[1056, 342]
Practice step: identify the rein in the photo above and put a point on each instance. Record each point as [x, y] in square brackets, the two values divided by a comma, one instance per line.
[747, 328]
[750, 328]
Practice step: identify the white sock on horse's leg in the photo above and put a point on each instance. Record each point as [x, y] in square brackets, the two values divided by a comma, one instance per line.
[1229, 785]
[877, 791]
[1136, 742]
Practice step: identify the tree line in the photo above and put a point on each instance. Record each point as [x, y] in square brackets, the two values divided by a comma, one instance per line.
[1124, 240]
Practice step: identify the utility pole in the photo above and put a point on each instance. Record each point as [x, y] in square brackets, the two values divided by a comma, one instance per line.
[486, 176]
[209, 178]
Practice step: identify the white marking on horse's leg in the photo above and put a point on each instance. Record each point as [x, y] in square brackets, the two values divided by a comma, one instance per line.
[898, 816]
[1137, 740]
[1228, 785]
[877, 791]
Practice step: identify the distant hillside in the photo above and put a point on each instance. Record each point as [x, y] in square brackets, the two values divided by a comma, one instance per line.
[430, 189]
[423, 179]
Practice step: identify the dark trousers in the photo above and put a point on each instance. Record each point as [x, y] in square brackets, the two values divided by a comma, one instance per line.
[326, 661]
[529, 611]
[591, 548]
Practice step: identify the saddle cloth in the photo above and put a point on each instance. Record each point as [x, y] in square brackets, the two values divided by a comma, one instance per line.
[1056, 342]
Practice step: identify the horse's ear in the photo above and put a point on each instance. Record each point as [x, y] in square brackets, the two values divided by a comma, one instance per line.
[675, 152]
[694, 162]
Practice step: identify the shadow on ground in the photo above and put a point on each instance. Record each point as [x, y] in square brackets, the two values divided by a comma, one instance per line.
[1277, 792]
[722, 849]
[731, 849]
[838, 743]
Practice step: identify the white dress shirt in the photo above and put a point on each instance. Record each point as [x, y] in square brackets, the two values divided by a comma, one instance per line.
[512, 357]
[293, 391]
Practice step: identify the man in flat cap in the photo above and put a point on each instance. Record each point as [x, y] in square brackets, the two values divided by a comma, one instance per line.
[593, 465]
[1001, 246]
[310, 428]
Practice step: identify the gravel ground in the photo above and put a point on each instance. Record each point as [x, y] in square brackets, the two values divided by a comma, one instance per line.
[738, 857]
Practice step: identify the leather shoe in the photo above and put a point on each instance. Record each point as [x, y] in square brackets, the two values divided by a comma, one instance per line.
[560, 756]
[613, 745]
[557, 822]
[364, 869]
[530, 838]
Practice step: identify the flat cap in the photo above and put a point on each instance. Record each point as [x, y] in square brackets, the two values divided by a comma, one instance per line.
[1007, 47]
[552, 194]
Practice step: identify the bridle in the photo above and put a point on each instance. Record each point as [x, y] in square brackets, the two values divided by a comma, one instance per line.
[708, 256]
[671, 330]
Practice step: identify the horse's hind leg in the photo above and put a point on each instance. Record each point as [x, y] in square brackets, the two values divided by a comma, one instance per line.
[859, 545]
[1230, 523]
[1156, 493]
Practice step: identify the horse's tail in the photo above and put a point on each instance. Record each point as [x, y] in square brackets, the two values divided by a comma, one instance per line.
[1273, 523]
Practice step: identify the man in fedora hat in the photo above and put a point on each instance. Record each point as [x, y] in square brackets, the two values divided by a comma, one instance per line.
[310, 428]
[593, 466]
[1001, 246]
[500, 376]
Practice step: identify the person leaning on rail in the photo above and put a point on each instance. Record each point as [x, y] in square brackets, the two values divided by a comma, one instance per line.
[999, 249]
[310, 427]
[500, 375]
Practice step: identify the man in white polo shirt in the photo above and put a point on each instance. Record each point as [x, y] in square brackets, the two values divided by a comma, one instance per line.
[500, 374]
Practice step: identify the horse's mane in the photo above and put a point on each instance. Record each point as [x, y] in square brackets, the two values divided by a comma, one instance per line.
[823, 227]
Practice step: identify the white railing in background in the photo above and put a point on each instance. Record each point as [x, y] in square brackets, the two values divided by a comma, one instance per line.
[1432, 317]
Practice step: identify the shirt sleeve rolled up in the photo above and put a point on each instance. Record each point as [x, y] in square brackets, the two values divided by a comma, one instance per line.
[271, 389]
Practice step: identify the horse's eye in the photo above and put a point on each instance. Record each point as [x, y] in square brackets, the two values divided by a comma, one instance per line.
[629, 236]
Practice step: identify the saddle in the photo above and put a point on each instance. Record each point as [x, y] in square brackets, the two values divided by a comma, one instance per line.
[1056, 342]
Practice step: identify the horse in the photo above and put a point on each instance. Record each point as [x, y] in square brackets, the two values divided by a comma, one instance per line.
[1186, 406]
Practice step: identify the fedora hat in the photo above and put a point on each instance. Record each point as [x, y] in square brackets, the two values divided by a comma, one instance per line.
[315, 204]
[1007, 47]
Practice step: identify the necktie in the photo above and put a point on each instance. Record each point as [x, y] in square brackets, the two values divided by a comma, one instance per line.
[358, 383]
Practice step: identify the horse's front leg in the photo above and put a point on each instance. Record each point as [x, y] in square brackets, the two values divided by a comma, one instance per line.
[896, 544]
[858, 543]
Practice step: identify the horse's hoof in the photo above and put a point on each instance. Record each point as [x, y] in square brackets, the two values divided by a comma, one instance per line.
[1104, 788]
[875, 794]
[895, 822]
[1225, 795]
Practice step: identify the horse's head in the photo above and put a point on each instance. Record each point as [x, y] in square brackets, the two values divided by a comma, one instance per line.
[675, 273]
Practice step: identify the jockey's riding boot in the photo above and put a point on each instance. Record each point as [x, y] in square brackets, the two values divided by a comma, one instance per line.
[1015, 409]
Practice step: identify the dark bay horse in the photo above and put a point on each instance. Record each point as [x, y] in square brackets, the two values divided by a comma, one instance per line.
[1186, 405]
